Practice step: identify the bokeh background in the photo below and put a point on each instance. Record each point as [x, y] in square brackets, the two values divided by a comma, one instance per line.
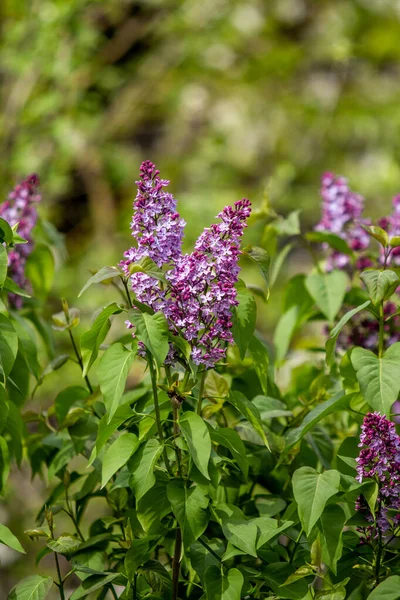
[229, 99]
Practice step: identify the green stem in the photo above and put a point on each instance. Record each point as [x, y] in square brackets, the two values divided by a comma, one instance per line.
[201, 392]
[128, 296]
[157, 409]
[176, 563]
[114, 593]
[80, 361]
[175, 435]
[71, 515]
[378, 561]
[61, 583]
[210, 550]
[381, 330]
[296, 545]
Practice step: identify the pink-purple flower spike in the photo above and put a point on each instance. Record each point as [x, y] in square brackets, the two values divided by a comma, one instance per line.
[20, 207]
[342, 215]
[379, 460]
[200, 292]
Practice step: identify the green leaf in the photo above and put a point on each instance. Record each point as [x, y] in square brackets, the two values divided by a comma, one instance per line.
[230, 439]
[117, 455]
[337, 403]
[278, 263]
[8, 345]
[395, 241]
[66, 400]
[154, 505]
[201, 558]
[197, 437]
[34, 587]
[113, 371]
[378, 233]
[284, 332]
[3, 265]
[238, 530]
[181, 344]
[271, 408]
[13, 288]
[9, 539]
[55, 364]
[157, 577]
[4, 407]
[277, 574]
[289, 225]
[331, 526]
[91, 340]
[62, 458]
[328, 291]
[311, 491]
[269, 529]
[261, 258]
[142, 466]
[249, 411]
[153, 331]
[378, 377]
[93, 583]
[387, 590]
[331, 239]
[380, 284]
[102, 276]
[223, 587]
[260, 358]
[148, 266]
[216, 386]
[40, 270]
[106, 429]
[189, 506]
[330, 345]
[65, 545]
[6, 233]
[244, 318]
[139, 552]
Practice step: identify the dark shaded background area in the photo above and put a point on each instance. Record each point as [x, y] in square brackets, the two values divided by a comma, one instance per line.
[228, 98]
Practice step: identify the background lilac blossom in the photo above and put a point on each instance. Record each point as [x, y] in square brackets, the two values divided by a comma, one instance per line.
[342, 214]
[20, 207]
[200, 291]
[379, 460]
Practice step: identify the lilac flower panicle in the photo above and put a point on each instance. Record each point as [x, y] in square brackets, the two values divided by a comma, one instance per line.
[20, 207]
[200, 292]
[203, 286]
[156, 225]
[379, 460]
[342, 215]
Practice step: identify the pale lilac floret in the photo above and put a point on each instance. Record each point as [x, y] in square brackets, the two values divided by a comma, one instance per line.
[20, 207]
[379, 460]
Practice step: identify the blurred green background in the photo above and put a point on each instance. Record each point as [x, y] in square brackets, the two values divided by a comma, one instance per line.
[228, 98]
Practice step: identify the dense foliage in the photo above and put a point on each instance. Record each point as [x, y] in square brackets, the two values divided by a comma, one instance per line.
[220, 476]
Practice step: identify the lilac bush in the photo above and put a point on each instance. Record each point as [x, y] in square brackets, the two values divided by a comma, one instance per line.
[214, 476]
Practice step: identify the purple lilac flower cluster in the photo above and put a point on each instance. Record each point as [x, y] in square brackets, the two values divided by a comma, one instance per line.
[379, 460]
[342, 215]
[200, 291]
[20, 207]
